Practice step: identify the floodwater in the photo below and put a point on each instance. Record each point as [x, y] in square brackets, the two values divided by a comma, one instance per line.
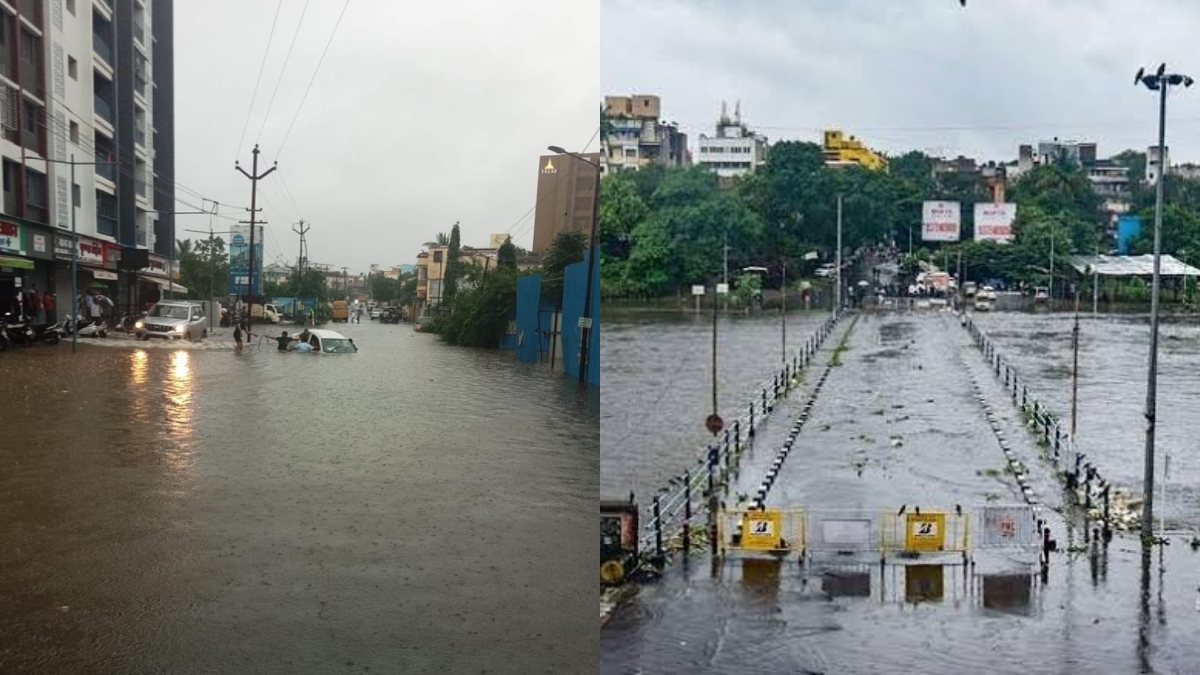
[1113, 357]
[900, 422]
[657, 385]
[410, 508]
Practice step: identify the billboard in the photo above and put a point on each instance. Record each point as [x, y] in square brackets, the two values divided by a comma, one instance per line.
[940, 221]
[994, 222]
[239, 259]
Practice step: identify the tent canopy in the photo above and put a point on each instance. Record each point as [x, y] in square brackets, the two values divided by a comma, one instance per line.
[166, 284]
[1130, 266]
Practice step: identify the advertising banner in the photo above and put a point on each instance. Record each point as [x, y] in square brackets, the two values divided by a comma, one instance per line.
[239, 259]
[940, 221]
[994, 222]
[10, 238]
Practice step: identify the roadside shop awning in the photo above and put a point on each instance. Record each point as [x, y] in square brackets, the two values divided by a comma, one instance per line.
[18, 263]
[1130, 266]
[166, 285]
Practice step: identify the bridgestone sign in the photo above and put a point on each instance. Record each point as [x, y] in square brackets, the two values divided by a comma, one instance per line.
[940, 221]
[994, 222]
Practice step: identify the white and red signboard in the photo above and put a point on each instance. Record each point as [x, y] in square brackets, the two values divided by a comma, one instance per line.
[994, 222]
[940, 221]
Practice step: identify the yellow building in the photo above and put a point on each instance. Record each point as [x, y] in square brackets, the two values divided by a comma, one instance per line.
[844, 151]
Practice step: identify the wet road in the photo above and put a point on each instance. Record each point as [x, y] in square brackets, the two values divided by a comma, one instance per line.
[657, 378]
[900, 422]
[411, 508]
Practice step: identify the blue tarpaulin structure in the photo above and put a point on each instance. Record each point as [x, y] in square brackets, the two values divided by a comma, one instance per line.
[574, 291]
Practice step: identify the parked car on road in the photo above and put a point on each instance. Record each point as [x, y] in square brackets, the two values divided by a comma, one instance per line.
[421, 323]
[172, 320]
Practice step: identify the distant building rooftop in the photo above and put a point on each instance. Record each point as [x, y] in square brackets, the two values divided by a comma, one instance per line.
[1130, 266]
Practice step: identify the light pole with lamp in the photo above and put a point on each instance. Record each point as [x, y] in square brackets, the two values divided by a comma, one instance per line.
[75, 246]
[1159, 81]
[585, 322]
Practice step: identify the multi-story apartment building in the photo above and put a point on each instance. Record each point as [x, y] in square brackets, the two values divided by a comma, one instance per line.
[735, 150]
[88, 81]
[566, 192]
[843, 150]
[638, 137]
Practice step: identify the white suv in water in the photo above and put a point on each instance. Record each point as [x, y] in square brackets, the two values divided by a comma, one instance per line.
[173, 319]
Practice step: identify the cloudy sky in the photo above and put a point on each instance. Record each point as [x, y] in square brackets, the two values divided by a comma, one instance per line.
[918, 74]
[422, 114]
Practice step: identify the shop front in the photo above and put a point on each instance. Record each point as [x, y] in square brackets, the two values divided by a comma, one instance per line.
[24, 267]
[154, 283]
[91, 265]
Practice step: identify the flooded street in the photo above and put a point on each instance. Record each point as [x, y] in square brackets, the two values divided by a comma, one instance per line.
[410, 508]
[902, 420]
[657, 385]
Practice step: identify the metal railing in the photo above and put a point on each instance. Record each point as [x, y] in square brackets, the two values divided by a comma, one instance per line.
[668, 518]
[102, 48]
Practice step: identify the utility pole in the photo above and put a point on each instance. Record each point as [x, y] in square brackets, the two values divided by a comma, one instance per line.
[1075, 369]
[300, 259]
[837, 294]
[254, 177]
[725, 275]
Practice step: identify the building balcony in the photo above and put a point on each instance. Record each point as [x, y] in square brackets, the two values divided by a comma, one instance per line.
[139, 237]
[102, 49]
[139, 32]
[104, 109]
[105, 170]
[143, 188]
[31, 10]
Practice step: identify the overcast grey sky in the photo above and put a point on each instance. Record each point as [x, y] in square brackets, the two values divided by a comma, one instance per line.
[917, 74]
[422, 114]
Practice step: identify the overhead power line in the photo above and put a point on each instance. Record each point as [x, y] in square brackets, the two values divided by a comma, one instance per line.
[258, 81]
[313, 79]
[282, 71]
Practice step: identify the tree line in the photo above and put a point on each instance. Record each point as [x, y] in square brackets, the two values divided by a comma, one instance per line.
[662, 230]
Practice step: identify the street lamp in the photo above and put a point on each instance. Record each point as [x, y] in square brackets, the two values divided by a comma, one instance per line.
[585, 323]
[1159, 81]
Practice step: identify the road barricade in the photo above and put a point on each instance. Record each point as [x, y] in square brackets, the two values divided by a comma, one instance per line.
[770, 531]
[913, 534]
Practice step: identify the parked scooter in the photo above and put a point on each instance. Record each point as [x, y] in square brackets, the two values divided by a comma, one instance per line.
[49, 333]
[82, 328]
[17, 330]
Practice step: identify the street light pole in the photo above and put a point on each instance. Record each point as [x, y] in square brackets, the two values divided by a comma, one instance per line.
[586, 320]
[1159, 81]
[75, 247]
[837, 295]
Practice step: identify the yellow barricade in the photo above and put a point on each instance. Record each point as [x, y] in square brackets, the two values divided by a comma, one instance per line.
[770, 531]
[928, 532]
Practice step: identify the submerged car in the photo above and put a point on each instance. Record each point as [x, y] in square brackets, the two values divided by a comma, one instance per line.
[421, 323]
[330, 342]
[173, 319]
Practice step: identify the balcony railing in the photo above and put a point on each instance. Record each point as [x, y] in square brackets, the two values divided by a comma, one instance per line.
[104, 109]
[143, 188]
[105, 170]
[101, 47]
[139, 33]
[139, 237]
[32, 11]
[106, 225]
[139, 135]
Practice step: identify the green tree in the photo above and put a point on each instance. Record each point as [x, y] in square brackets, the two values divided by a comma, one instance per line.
[453, 266]
[1136, 163]
[203, 266]
[407, 294]
[566, 249]
[479, 315]
[506, 255]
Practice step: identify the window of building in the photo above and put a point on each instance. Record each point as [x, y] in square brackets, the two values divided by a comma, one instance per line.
[437, 256]
[37, 202]
[33, 117]
[11, 174]
[29, 47]
[74, 132]
[71, 7]
[76, 195]
[106, 213]
[72, 67]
